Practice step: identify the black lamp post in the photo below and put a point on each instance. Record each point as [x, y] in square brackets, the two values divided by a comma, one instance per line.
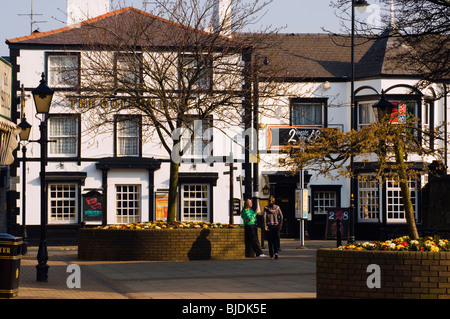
[24, 136]
[42, 96]
[355, 4]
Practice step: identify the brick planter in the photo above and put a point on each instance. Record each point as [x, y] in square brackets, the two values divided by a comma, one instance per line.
[161, 245]
[415, 275]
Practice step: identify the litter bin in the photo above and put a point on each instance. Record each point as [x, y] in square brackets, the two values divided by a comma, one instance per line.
[10, 256]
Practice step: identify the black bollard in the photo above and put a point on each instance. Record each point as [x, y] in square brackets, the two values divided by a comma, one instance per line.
[338, 233]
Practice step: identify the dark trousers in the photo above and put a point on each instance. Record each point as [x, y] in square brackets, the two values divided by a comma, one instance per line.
[251, 238]
[273, 238]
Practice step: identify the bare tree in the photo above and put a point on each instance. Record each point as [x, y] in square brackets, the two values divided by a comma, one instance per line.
[175, 72]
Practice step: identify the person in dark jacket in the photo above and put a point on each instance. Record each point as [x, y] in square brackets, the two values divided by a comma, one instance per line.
[273, 221]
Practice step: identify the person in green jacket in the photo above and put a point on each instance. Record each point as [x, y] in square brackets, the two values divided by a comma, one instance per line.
[251, 231]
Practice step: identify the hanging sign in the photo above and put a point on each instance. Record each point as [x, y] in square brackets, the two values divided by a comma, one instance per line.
[283, 136]
[93, 207]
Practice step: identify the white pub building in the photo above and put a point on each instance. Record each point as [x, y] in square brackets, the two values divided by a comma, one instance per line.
[117, 173]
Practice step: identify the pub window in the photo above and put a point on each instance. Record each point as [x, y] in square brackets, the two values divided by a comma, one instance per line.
[63, 132]
[308, 112]
[196, 137]
[395, 210]
[195, 202]
[128, 70]
[196, 72]
[63, 203]
[323, 200]
[368, 198]
[128, 204]
[366, 114]
[63, 70]
[128, 135]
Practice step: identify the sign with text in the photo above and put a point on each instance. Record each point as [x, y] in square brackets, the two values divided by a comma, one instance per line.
[162, 206]
[93, 207]
[5, 89]
[283, 136]
[333, 214]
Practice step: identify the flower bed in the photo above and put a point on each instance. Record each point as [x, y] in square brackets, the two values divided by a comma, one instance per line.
[402, 244]
[415, 269]
[159, 241]
[170, 225]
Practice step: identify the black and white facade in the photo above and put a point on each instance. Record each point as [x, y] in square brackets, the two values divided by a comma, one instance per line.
[115, 175]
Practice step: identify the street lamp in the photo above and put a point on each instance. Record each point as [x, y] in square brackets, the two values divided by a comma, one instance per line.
[361, 5]
[24, 136]
[42, 96]
[383, 108]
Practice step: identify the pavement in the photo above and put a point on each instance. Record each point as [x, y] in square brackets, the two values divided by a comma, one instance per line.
[290, 276]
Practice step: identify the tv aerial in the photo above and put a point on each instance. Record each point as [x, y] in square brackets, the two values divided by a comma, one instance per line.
[32, 15]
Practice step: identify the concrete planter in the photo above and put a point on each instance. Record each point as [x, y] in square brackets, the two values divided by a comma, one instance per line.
[161, 245]
[402, 274]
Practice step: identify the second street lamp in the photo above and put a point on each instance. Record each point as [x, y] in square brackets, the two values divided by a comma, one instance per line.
[42, 96]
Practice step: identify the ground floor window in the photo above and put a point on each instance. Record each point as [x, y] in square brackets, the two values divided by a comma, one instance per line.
[369, 205]
[368, 199]
[128, 204]
[395, 210]
[63, 203]
[323, 200]
[195, 202]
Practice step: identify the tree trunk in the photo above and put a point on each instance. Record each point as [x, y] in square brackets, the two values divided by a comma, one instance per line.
[404, 188]
[173, 186]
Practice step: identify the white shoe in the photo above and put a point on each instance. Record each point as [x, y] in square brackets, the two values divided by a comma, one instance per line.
[262, 256]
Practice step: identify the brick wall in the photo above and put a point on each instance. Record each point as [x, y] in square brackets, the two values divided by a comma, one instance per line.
[161, 245]
[415, 275]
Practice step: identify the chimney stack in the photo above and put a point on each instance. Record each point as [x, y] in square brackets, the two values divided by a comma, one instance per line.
[222, 18]
[80, 10]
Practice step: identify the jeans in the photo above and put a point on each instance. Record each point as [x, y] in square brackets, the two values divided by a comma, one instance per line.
[273, 239]
[251, 236]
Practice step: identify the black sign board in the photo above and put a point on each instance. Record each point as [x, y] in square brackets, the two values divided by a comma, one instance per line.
[93, 207]
[333, 214]
[236, 206]
[282, 136]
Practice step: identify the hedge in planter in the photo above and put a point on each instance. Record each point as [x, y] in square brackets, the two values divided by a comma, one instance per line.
[158, 241]
[406, 269]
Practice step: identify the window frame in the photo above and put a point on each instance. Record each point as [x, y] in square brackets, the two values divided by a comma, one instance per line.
[123, 118]
[137, 81]
[77, 118]
[209, 122]
[48, 57]
[309, 101]
[207, 75]
[183, 199]
[136, 217]
[75, 199]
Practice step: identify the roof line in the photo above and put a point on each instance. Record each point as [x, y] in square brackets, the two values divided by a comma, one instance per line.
[103, 16]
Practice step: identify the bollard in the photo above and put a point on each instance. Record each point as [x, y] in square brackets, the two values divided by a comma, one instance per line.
[338, 233]
[10, 255]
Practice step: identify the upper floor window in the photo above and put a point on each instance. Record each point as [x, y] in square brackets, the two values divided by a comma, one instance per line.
[308, 112]
[64, 131]
[196, 137]
[128, 135]
[402, 111]
[128, 70]
[196, 71]
[63, 70]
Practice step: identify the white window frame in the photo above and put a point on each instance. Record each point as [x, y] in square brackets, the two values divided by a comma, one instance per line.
[63, 70]
[62, 136]
[63, 202]
[366, 114]
[322, 204]
[124, 199]
[195, 139]
[395, 213]
[128, 70]
[126, 135]
[369, 201]
[194, 206]
[191, 66]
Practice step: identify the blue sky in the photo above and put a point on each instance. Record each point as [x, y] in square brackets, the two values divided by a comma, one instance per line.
[297, 16]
